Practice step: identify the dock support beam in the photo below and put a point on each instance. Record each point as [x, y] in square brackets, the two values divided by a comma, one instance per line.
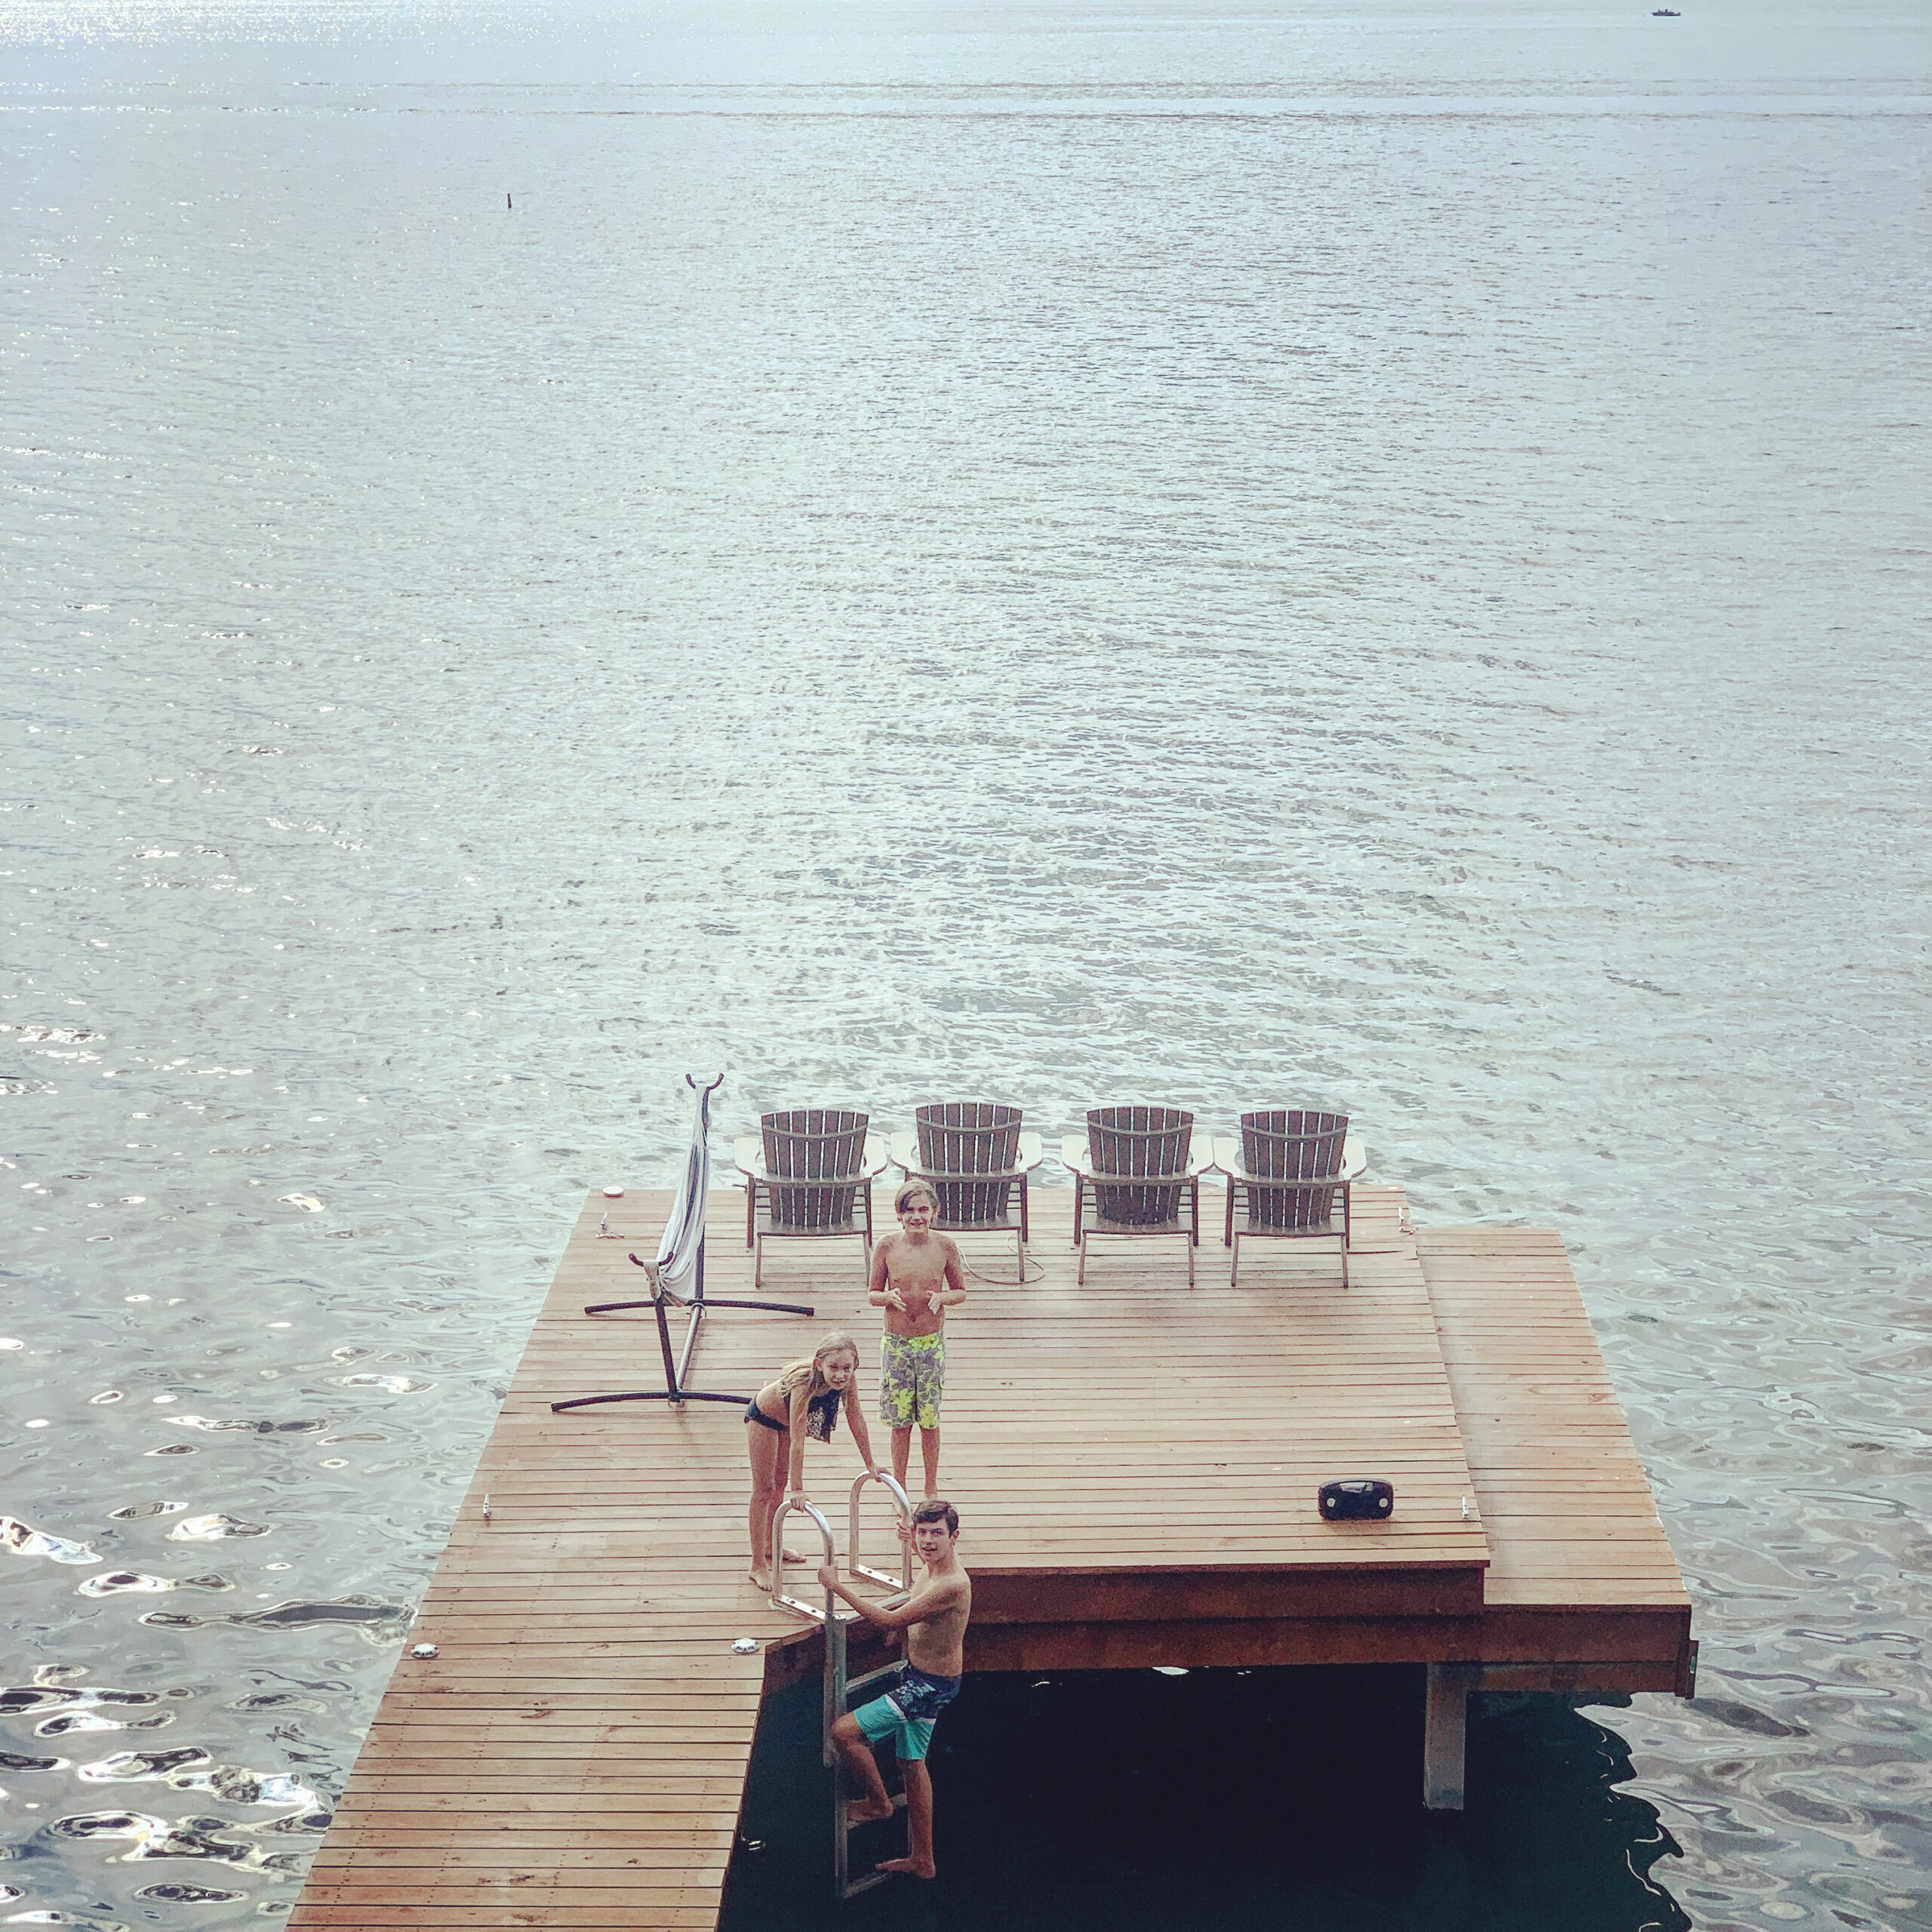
[1445, 1728]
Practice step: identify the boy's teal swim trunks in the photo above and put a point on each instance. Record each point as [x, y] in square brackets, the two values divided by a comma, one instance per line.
[911, 1378]
[907, 1715]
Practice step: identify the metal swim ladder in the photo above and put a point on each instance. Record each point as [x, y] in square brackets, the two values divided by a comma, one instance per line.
[842, 1690]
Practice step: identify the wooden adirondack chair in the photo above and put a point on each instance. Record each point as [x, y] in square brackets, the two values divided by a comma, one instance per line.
[1288, 1181]
[809, 1176]
[977, 1161]
[1135, 1175]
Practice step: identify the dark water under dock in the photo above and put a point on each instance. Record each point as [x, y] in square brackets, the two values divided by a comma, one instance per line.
[1246, 1800]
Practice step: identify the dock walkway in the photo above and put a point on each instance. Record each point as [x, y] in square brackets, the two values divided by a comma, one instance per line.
[1134, 1462]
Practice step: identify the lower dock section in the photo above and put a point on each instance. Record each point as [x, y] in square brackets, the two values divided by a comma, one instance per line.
[1135, 1464]
[1582, 1592]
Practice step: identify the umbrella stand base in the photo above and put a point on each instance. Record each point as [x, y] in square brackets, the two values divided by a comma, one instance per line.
[770, 1307]
[647, 1395]
[677, 1366]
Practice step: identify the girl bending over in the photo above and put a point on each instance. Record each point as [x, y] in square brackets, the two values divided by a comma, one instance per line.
[803, 1401]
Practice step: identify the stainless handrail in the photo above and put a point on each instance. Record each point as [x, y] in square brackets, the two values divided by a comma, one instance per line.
[903, 1581]
[829, 1614]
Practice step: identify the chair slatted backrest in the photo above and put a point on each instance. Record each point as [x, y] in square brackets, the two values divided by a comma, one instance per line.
[1289, 1144]
[961, 1137]
[813, 1157]
[1144, 1142]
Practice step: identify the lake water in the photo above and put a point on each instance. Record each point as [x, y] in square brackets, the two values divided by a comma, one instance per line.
[1212, 553]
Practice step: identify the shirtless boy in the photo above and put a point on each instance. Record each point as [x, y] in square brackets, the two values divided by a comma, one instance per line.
[916, 1277]
[934, 1618]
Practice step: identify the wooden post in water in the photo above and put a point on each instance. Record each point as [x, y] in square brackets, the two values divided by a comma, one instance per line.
[1445, 1731]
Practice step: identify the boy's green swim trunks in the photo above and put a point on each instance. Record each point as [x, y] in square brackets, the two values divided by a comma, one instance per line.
[907, 1715]
[911, 1378]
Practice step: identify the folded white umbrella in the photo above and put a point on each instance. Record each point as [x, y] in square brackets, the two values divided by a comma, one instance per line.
[677, 1277]
[675, 1273]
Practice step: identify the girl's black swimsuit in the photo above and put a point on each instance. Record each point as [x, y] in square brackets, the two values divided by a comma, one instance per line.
[821, 1416]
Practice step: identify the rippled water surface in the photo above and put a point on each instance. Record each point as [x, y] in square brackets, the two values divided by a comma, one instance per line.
[1217, 554]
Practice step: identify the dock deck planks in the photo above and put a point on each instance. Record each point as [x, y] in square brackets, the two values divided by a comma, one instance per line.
[1583, 1590]
[1134, 1462]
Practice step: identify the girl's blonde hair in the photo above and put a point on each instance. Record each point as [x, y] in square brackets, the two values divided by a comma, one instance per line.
[808, 1371]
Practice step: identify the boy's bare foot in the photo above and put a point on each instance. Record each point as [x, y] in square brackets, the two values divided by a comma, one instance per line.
[792, 1556]
[911, 1867]
[860, 1811]
[762, 1578]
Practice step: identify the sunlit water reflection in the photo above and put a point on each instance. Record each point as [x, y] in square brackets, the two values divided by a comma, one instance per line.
[1066, 554]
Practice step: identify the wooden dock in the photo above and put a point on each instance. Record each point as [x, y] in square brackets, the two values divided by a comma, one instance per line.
[1135, 1464]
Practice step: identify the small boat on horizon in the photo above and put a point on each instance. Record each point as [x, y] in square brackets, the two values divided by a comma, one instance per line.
[1666, 13]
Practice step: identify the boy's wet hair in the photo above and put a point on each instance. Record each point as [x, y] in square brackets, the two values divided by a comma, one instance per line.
[937, 1509]
[907, 1190]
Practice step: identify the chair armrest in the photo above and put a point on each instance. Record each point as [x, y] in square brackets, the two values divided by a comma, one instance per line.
[905, 1154]
[1075, 1156]
[1198, 1165]
[914, 1170]
[1238, 1173]
[877, 1158]
[748, 1152]
[1227, 1158]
